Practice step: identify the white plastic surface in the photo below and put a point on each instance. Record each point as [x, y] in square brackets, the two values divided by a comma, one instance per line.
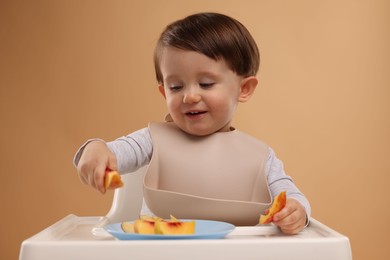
[77, 238]
[70, 238]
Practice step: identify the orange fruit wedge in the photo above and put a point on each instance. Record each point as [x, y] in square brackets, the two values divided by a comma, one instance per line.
[277, 205]
[146, 224]
[112, 180]
[142, 226]
[156, 225]
[174, 227]
[128, 227]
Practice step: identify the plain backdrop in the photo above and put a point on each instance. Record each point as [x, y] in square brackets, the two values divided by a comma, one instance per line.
[75, 69]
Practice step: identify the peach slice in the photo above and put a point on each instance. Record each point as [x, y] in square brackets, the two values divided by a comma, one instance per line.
[146, 224]
[174, 227]
[149, 218]
[277, 205]
[112, 180]
[127, 227]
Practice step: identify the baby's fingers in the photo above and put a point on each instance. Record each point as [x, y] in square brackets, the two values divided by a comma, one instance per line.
[85, 171]
[283, 214]
[292, 218]
[97, 180]
[293, 228]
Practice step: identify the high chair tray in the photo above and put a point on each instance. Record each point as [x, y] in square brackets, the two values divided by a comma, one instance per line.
[71, 238]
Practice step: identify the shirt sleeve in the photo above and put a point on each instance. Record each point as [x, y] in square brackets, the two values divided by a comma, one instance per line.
[132, 151]
[278, 181]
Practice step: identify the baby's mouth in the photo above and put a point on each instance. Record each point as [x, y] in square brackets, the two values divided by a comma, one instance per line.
[195, 113]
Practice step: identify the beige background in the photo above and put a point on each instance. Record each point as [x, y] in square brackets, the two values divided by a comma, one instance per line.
[71, 70]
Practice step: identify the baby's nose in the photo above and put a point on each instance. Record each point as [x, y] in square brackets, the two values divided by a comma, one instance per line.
[191, 97]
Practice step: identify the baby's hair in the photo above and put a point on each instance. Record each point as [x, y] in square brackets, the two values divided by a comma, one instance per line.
[214, 35]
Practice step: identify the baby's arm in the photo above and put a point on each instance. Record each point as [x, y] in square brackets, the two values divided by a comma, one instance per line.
[126, 154]
[93, 161]
[294, 217]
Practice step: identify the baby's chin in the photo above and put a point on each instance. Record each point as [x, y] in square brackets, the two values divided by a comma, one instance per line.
[203, 131]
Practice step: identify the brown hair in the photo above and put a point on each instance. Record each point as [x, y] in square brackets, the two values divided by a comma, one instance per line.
[214, 35]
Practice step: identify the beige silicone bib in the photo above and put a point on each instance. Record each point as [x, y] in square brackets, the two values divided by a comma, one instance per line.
[216, 177]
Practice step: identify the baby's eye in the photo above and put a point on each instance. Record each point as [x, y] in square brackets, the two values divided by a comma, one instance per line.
[175, 88]
[206, 85]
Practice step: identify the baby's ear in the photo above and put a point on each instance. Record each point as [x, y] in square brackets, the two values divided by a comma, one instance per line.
[162, 90]
[248, 86]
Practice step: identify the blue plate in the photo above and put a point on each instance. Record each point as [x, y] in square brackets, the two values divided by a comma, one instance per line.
[204, 229]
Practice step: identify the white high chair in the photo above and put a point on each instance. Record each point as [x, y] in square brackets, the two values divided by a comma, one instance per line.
[80, 238]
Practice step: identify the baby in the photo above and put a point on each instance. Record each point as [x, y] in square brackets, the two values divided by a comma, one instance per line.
[205, 65]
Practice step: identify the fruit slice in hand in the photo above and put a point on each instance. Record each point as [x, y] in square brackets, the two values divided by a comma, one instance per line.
[278, 205]
[174, 227]
[112, 180]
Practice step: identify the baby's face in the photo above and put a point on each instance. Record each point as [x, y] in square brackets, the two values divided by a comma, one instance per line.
[201, 93]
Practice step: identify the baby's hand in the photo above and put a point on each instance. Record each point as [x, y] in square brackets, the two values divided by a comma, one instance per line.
[95, 160]
[292, 218]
